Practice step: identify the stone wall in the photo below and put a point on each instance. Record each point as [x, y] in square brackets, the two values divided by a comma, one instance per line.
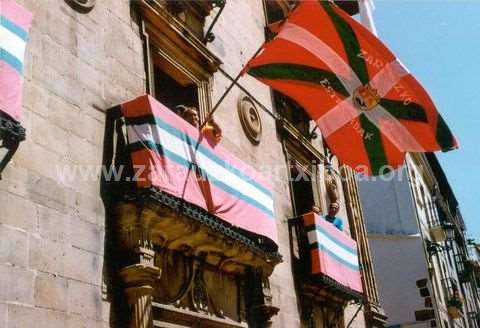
[239, 33]
[52, 229]
[52, 225]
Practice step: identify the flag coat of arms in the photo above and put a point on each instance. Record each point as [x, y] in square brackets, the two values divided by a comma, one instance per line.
[15, 22]
[368, 106]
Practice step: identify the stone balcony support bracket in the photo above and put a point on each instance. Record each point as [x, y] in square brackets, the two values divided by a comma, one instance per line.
[139, 282]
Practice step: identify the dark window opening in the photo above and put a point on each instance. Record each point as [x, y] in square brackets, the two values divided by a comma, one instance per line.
[293, 112]
[172, 87]
[302, 190]
[275, 12]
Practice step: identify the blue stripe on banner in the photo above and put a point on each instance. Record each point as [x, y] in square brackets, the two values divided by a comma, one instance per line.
[338, 258]
[14, 28]
[11, 60]
[187, 164]
[205, 151]
[335, 240]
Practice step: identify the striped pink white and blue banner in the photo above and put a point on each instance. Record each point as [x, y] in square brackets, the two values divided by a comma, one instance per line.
[333, 253]
[170, 154]
[15, 22]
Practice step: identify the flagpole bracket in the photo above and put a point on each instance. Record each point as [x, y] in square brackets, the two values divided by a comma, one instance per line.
[209, 36]
[82, 6]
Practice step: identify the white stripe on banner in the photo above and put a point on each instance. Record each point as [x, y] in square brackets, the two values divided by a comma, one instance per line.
[154, 134]
[11, 43]
[328, 243]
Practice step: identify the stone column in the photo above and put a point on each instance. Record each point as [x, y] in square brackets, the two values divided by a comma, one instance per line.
[140, 273]
[139, 282]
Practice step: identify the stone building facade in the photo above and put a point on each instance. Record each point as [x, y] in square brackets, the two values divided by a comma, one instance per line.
[67, 255]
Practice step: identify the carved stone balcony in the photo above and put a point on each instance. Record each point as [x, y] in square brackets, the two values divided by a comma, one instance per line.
[179, 226]
[188, 240]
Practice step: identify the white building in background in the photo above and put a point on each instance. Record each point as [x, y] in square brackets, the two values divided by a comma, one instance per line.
[417, 239]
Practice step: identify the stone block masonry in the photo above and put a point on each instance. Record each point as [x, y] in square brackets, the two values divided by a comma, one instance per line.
[52, 231]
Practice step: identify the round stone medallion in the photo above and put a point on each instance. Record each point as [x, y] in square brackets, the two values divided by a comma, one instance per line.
[250, 119]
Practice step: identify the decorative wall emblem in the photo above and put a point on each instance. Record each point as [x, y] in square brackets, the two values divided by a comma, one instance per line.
[83, 6]
[250, 119]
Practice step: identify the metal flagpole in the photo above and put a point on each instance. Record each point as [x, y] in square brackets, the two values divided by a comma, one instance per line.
[366, 15]
[355, 315]
[266, 110]
[234, 82]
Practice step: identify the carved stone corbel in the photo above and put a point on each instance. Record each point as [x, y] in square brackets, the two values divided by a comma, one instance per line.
[140, 273]
[259, 300]
[307, 311]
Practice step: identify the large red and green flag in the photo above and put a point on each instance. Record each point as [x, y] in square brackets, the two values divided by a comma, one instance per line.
[368, 106]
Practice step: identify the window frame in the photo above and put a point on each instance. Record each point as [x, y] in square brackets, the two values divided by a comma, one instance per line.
[164, 36]
[298, 156]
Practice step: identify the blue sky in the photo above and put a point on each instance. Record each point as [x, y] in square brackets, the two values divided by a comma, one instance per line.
[439, 41]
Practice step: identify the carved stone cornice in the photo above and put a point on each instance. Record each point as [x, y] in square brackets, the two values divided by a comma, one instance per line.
[162, 220]
[172, 37]
[293, 135]
[141, 275]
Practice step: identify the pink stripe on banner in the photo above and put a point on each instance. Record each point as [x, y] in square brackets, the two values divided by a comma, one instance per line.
[313, 218]
[10, 80]
[170, 177]
[10, 91]
[327, 265]
[146, 105]
[16, 13]
[242, 214]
